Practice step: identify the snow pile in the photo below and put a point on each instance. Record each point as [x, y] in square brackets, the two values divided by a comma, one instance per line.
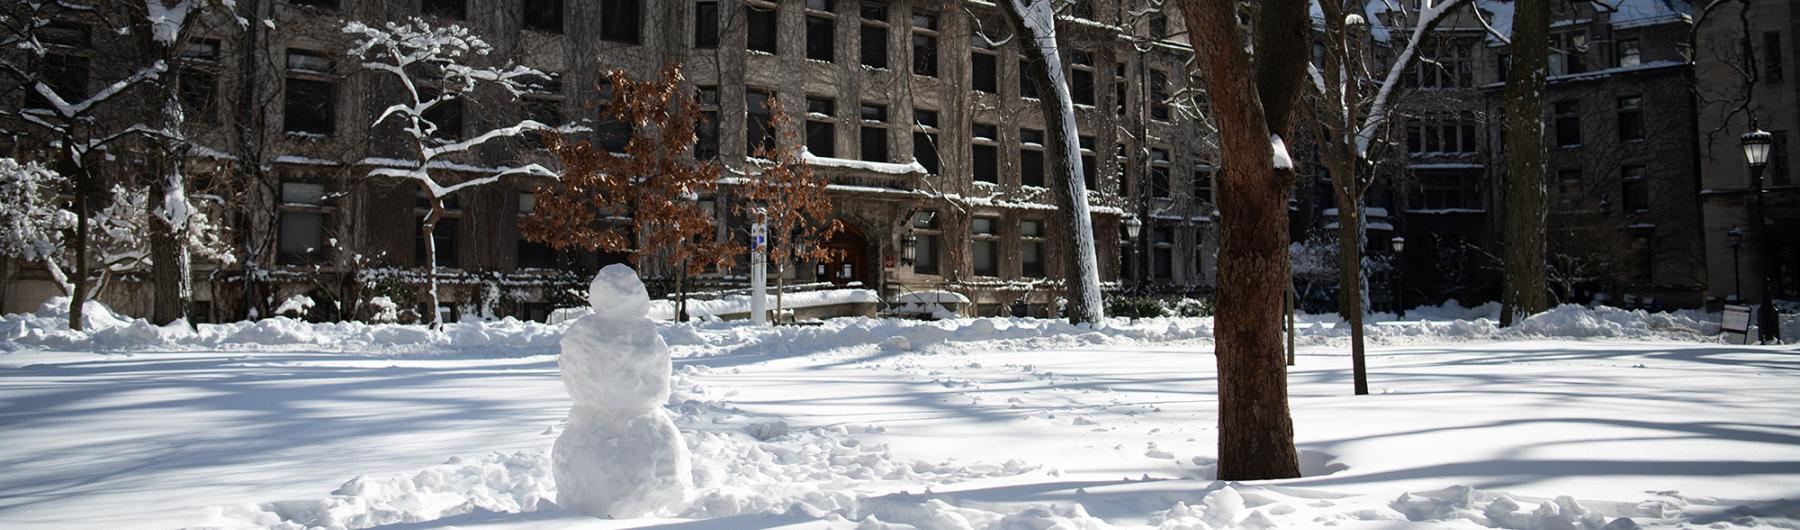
[666, 309]
[1574, 321]
[496, 482]
[621, 455]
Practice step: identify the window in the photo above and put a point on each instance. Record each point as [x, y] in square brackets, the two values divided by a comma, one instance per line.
[1159, 95]
[874, 133]
[1442, 136]
[620, 20]
[758, 128]
[1159, 25]
[924, 43]
[1631, 118]
[984, 154]
[1027, 88]
[613, 133]
[542, 103]
[65, 34]
[984, 74]
[1159, 173]
[1203, 185]
[199, 94]
[985, 243]
[1448, 189]
[1121, 163]
[821, 35]
[1121, 84]
[308, 107]
[532, 254]
[1634, 192]
[443, 234]
[928, 234]
[301, 237]
[1090, 166]
[1628, 53]
[761, 35]
[874, 42]
[544, 15]
[1031, 248]
[1772, 56]
[1031, 157]
[1568, 53]
[203, 50]
[1450, 66]
[446, 116]
[1569, 191]
[821, 130]
[67, 75]
[1568, 124]
[1081, 78]
[308, 61]
[925, 138]
[1162, 253]
[706, 133]
[706, 25]
[1780, 169]
[444, 8]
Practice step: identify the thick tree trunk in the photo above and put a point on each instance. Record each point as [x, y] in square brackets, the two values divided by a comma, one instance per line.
[426, 230]
[1043, 65]
[1524, 288]
[1256, 432]
[170, 271]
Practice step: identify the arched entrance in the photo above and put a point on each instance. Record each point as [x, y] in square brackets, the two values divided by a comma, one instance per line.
[849, 261]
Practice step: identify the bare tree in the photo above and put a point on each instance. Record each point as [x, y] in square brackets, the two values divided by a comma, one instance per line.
[795, 206]
[433, 66]
[1254, 104]
[1035, 23]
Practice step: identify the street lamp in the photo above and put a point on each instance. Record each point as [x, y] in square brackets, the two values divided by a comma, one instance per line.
[1399, 243]
[1133, 227]
[1736, 235]
[1756, 153]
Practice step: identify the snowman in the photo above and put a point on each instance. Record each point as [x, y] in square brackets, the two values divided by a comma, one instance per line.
[621, 455]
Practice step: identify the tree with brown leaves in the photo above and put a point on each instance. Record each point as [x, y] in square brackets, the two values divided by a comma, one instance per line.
[793, 201]
[644, 201]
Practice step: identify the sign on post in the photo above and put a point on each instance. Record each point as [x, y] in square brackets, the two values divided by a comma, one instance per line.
[759, 268]
[1735, 324]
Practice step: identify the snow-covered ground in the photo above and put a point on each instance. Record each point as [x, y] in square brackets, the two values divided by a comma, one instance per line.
[1574, 420]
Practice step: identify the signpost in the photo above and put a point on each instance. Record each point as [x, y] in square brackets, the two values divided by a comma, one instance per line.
[1735, 324]
[759, 269]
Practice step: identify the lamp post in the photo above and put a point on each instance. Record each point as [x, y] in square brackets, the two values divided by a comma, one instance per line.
[1756, 153]
[1736, 236]
[1399, 243]
[1133, 227]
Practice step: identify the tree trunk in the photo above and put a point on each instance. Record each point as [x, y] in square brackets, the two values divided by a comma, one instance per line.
[1524, 292]
[1350, 298]
[83, 269]
[1043, 66]
[170, 271]
[426, 229]
[1256, 432]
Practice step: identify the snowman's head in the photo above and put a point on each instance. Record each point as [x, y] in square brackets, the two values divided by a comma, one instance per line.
[617, 294]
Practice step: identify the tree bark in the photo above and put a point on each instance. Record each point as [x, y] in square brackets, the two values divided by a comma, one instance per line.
[1044, 67]
[1524, 288]
[426, 229]
[1256, 432]
[168, 260]
[83, 269]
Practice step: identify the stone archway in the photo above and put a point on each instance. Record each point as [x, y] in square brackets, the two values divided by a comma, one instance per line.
[850, 258]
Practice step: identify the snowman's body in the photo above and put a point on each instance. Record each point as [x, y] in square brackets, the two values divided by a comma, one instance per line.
[621, 455]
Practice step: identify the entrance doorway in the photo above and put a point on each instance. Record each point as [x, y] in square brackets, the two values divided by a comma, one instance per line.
[849, 248]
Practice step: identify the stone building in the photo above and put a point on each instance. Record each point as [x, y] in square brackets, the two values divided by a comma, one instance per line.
[1733, 87]
[1621, 172]
[281, 117]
